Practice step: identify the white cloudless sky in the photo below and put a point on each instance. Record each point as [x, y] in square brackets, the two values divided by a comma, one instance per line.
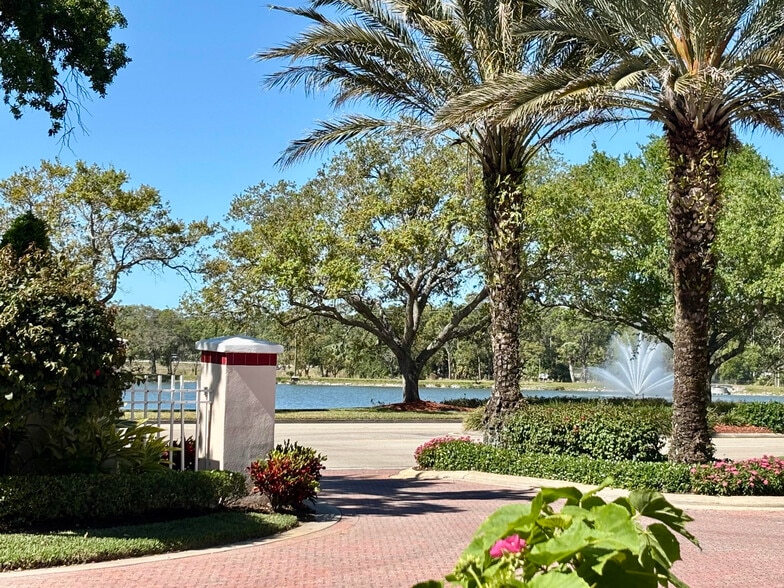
[189, 116]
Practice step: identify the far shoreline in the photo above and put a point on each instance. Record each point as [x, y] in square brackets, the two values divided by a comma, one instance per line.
[566, 387]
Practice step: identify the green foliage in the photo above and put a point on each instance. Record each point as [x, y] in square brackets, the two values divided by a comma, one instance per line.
[381, 240]
[100, 445]
[89, 499]
[605, 224]
[465, 402]
[459, 455]
[759, 414]
[474, 420]
[50, 47]
[103, 227]
[157, 335]
[632, 430]
[289, 475]
[60, 357]
[587, 543]
[26, 231]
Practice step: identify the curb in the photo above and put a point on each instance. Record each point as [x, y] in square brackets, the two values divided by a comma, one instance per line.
[691, 501]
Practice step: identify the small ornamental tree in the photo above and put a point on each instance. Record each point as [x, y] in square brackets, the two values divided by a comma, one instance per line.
[60, 357]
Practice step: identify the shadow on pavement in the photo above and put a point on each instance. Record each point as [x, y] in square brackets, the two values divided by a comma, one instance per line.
[395, 497]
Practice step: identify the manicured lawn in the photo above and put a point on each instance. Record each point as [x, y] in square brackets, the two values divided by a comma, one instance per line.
[38, 550]
[364, 414]
[335, 414]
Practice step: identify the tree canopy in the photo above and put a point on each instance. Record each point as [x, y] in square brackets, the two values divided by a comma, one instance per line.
[105, 227]
[379, 236]
[409, 60]
[604, 225]
[50, 48]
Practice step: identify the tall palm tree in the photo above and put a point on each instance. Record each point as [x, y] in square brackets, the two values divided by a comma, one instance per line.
[699, 68]
[407, 58]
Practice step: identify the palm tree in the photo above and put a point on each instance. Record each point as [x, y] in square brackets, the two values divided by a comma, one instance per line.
[699, 68]
[407, 58]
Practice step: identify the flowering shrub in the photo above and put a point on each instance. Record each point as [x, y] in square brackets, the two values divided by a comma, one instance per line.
[425, 454]
[289, 476]
[589, 543]
[750, 477]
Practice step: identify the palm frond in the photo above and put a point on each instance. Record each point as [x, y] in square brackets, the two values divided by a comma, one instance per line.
[333, 132]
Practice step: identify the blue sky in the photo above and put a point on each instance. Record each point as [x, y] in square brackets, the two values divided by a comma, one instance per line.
[189, 116]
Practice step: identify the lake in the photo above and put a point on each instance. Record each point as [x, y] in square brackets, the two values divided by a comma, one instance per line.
[321, 396]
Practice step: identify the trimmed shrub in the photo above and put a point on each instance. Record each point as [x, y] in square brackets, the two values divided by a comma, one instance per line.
[613, 431]
[289, 476]
[465, 402]
[100, 499]
[758, 414]
[459, 454]
[425, 454]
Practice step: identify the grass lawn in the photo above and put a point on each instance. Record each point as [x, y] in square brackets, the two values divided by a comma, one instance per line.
[364, 414]
[21, 551]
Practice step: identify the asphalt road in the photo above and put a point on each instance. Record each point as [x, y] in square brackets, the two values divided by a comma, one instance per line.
[391, 445]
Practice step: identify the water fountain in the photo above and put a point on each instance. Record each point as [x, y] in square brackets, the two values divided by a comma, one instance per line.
[638, 369]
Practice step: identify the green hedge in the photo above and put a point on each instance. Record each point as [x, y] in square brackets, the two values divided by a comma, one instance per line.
[632, 430]
[758, 414]
[94, 499]
[464, 455]
[763, 476]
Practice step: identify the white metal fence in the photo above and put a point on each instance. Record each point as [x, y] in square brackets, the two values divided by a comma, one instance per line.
[181, 412]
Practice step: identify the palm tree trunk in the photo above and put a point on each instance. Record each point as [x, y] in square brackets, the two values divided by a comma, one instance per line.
[693, 206]
[503, 208]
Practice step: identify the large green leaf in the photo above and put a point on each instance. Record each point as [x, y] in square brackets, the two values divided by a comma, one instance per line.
[655, 506]
[558, 580]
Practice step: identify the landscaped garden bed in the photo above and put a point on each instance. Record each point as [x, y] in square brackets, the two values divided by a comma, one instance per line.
[588, 441]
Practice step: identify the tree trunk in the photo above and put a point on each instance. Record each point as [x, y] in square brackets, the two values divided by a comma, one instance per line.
[411, 373]
[504, 216]
[693, 205]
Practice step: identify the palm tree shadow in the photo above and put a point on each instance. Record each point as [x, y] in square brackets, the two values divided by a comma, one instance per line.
[405, 497]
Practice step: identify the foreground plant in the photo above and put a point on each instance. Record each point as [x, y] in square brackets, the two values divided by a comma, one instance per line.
[587, 544]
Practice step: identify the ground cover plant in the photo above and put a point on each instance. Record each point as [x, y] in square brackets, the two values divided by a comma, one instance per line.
[587, 543]
[37, 550]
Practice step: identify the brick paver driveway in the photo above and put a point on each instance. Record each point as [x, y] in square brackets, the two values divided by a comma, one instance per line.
[394, 533]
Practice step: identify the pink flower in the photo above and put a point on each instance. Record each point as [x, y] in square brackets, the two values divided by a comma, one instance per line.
[512, 544]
